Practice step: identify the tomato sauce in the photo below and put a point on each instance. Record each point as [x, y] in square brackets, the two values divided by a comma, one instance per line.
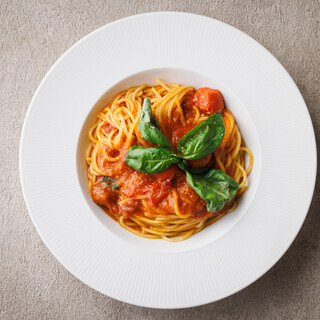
[107, 127]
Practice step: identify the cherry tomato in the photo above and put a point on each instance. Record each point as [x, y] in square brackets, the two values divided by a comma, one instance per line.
[208, 100]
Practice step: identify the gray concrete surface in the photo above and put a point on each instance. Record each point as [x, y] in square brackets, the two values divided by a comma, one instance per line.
[33, 34]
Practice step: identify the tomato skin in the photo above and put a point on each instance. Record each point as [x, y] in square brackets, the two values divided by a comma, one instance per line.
[104, 195]
[200, 163]
[208, 100]
[167, 174]
[99, 194]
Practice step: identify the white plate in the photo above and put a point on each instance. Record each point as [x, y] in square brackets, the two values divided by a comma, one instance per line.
[223, 258]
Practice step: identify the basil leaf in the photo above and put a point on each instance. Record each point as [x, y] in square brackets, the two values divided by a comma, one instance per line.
[146, 113]
[150, 160]
[109, 180]
[202, 139]
[148, 127]
[183, 165]
[151, 133]
[214, 186]
[198, 170]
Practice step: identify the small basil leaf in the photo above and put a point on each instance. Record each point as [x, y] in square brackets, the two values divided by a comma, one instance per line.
[150, 160]
[148, 126]
[109, 180]
[214, 186]
[146, 113]
[151, 133]
[202, 139]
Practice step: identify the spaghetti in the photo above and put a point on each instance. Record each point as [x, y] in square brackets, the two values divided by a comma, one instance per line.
[160, 205]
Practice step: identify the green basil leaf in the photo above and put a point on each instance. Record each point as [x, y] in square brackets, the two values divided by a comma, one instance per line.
[150, 160]
[146, 113]
[214, 186]
[151, 133]
[198, 170]
[202, 139]
[109, 180]
[148, 126]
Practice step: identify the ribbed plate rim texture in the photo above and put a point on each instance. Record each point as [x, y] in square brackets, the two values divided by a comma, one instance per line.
[171, 289]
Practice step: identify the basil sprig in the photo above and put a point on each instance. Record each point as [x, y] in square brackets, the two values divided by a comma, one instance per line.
[149, 127]
[212, 185]
[146, 113]
[202, 139]
[150, 160]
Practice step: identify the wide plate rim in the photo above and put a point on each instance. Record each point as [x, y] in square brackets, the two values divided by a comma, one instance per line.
[73, 48]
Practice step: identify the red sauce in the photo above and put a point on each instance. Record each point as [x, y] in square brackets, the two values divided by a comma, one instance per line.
[107, 127]
[129, 207]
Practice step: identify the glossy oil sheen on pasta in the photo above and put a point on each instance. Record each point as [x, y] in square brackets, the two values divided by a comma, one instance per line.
[159, 205]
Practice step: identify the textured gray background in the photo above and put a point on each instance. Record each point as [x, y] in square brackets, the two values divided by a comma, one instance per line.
[33, 34]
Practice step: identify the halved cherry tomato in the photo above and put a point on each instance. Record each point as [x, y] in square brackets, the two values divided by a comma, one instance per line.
[208, 100]
[200, 163]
